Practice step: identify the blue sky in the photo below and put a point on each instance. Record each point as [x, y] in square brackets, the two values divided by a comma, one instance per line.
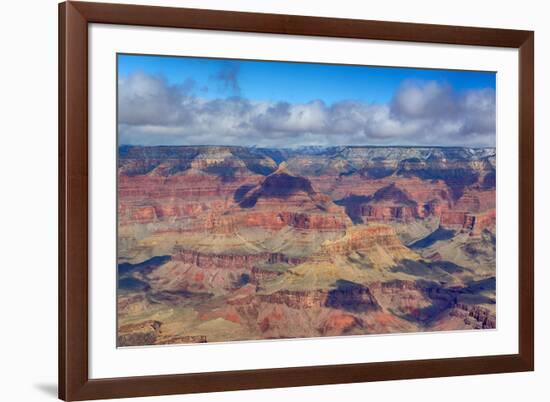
[165, 100]
[296, 82]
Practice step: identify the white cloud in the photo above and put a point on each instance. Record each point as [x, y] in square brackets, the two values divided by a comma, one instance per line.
[151, 111]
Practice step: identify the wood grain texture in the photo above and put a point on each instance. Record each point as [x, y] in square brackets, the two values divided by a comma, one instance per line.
[74, 382]
[298, 25]
[526, 261]
[73, 201]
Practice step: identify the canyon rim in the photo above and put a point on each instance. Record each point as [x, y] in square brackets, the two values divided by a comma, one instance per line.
[271, 200]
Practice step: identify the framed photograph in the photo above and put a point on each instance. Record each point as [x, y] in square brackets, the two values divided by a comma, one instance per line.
[259, 200]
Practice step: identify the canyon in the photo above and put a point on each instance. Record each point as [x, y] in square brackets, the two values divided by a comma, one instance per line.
[226, 243]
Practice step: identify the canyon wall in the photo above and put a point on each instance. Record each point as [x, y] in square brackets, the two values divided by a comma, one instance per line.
[229, 243]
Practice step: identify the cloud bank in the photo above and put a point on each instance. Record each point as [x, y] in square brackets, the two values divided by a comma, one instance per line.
[154, 112]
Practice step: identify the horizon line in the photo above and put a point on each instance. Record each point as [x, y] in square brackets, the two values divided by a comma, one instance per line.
[304, 146]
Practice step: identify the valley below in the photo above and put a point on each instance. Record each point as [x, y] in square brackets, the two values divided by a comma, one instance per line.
[227, 243]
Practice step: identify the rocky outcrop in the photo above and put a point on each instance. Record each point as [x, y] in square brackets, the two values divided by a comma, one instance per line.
[339, 323]
[283, 199]
[347, 296]
[146, 199]
[476, 224]
[177, 278]
[181, 339]
[476, 316]
[296, 299]
[260, 274]
[468, 222]
[275, 218]
[142, 333]
[194, 271]
[379, 242]
[232, 261]
[383, 213]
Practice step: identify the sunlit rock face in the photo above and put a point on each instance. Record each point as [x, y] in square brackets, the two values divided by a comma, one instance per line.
[231, 243]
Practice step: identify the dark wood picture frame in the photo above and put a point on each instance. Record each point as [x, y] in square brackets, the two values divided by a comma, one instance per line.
[74, 382]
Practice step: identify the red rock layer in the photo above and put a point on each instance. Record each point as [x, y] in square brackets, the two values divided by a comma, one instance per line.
[149, 198]
[468, 222]
[231, 261]
[365, 238]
